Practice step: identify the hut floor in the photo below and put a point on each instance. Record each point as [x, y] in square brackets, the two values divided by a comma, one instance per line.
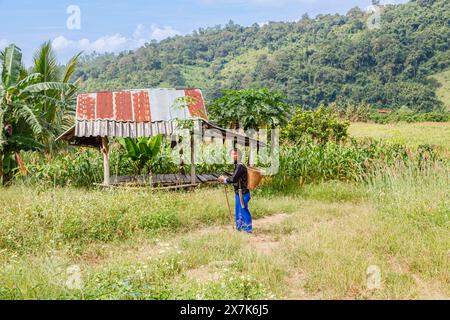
[163, 180]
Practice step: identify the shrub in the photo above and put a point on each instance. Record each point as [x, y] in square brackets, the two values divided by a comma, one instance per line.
[405, 114]
[321, 125]
[354, 112]
[82, 167]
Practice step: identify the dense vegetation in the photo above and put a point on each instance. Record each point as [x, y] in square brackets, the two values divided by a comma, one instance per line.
[35, 104]
[408, 115]
[331, 58]
[143, 244]
[315, 147]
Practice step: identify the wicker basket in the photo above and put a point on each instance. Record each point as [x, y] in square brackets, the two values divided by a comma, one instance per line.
[254, 177]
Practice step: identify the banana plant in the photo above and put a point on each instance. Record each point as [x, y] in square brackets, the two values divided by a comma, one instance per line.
[20, 92]
[58, 109]
[142, 151]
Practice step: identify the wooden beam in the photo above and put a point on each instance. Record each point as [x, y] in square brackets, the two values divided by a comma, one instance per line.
[105, 152]
[193, 175]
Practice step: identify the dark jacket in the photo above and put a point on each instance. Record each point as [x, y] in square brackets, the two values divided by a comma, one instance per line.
[239, 178]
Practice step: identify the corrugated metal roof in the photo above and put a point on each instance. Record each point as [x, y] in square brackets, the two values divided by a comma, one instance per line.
[111, 128]
[140, 113]
[136, 113]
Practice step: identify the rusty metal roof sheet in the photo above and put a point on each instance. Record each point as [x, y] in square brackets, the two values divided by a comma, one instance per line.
[136, 113]
[140, 113]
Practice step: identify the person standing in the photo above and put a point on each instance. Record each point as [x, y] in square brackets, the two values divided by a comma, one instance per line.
[242, 193]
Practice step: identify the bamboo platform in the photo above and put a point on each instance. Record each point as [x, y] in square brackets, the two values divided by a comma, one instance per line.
[171, 181]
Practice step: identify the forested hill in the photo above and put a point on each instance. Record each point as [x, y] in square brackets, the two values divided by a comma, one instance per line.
[329, 58]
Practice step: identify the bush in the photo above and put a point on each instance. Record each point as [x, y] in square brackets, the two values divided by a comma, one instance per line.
[321, 125]
[82, 167]
[354, 112]
[405, 114]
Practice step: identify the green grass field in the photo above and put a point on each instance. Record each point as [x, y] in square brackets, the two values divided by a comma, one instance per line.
[317, 243]
[409, 134]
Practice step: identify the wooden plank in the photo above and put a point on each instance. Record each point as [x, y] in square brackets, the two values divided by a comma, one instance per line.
[180, 186]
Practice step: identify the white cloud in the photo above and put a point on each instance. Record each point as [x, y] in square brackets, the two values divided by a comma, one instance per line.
[163, 33]
[154, 33]
[3, 43]
[112, 43]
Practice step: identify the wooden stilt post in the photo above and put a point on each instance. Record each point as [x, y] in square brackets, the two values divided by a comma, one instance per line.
[105, 152]
[193, 175]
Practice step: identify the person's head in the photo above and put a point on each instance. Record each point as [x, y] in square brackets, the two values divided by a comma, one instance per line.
[236, 154]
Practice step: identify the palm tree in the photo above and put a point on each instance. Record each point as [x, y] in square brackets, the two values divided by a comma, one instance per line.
[21, 121]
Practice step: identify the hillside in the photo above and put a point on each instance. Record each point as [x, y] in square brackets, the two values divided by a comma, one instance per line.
[329, 58]
[443, 89]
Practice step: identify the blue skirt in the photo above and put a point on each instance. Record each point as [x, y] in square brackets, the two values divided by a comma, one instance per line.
[243, 216]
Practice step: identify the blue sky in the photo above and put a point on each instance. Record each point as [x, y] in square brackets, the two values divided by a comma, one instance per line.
[116, 25]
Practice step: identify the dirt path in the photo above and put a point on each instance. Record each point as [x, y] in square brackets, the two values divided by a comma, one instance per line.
[261, 242]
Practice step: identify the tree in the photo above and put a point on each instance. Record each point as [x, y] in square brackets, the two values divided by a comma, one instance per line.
[321, 125]
[249, 109]
[58, 111]
[312, 61]
[20, 121]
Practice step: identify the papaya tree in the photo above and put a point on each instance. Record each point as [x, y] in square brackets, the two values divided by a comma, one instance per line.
[250, 109]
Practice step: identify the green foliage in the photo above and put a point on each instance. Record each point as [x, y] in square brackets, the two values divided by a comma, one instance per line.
[407, 115]
[57, 108]
[308, 161]
[249, 109]
[322, 125]
[313, 61]
[142, 151]
[442, 80]
[81, 168]
[354, 112]
[32, 106]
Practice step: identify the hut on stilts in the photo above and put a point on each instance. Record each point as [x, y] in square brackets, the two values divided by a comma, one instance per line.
[103, 116]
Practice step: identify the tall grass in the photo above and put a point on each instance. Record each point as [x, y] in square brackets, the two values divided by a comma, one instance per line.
[143, 245]
[58, 218]
[307, 161]
[414, 213]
